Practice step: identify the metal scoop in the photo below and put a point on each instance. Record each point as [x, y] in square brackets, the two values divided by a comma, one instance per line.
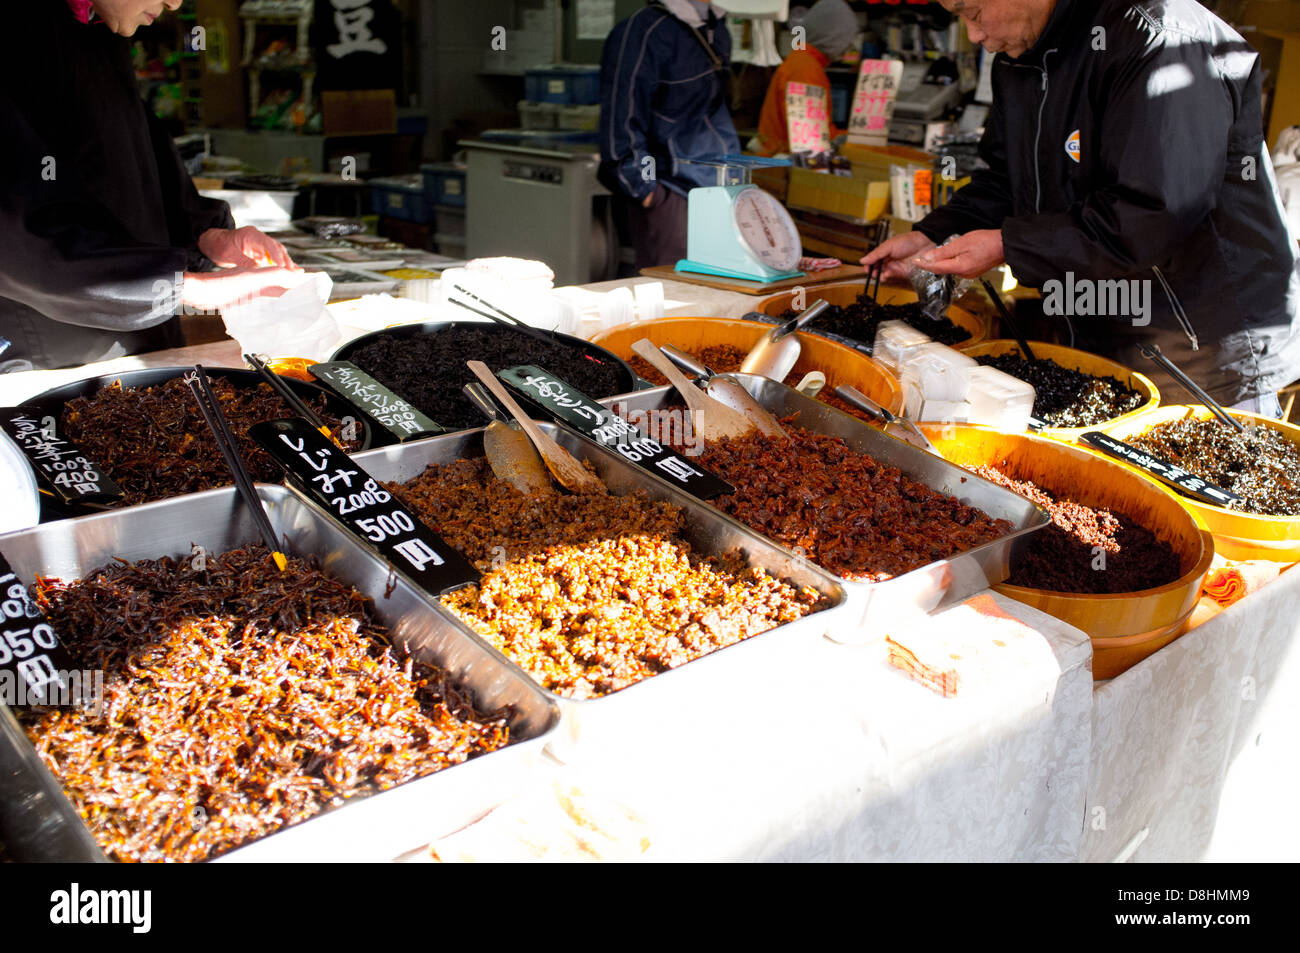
[714, 420]
[564, 466]
[508, 450]
[726, 391]
[908, 431]
[777, 351]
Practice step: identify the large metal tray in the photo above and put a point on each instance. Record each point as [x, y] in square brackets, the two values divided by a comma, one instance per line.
[874, 607]
[670, 700]
[38, 823]
[51, 402]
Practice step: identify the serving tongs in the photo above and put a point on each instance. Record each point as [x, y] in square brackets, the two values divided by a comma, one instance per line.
[1153, 353]
[880, 233]
[509, 452]
[1011, 324]
[493, 313]
[908, 431]
[714, 420]
[725, 391]
[776, 352]
[564, 466]
[210, 408]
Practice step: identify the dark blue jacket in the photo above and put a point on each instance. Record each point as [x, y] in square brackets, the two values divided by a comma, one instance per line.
[662, 98]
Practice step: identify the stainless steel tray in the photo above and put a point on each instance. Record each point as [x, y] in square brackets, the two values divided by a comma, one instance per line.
[673, 700]
[874, 607]
[39, 823]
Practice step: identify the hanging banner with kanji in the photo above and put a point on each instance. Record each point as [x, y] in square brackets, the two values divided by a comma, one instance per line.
[873, 101]
[807, 118]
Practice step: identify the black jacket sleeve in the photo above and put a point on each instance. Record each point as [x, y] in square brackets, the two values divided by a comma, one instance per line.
[984, 201]
[65, 254]
[191, 214]
[1166, 118]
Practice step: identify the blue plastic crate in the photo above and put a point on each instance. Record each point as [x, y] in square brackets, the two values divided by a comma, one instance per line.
[444, 184]
[402, 197]
[565, 85]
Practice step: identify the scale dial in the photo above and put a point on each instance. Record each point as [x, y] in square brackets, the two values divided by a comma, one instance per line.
[766, 229]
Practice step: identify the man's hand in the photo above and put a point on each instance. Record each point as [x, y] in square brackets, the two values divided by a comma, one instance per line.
[897, 252]
[243, 247]
[214, 290]
[967, 256]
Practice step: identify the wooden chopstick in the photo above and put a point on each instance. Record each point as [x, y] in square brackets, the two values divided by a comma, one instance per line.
[210, 408]
[296, 404]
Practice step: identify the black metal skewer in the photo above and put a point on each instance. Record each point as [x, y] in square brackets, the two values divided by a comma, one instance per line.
[296, 404]
[1011, 323]
[216, 420]
[1153, 353]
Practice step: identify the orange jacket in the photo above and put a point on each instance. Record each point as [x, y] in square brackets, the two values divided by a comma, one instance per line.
[801, 66]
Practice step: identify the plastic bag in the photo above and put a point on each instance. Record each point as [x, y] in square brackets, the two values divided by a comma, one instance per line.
[936, 292]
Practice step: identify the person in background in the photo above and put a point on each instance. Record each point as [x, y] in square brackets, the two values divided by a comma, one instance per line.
[1125, 151]
[663, 100]
[829, 29]
[103, 232]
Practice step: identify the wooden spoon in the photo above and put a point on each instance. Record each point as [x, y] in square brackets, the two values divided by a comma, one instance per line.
[508, 450]
[716, 421]
[564, 466]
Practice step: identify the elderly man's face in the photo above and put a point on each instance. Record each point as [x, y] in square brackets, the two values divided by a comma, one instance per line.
[124, 17]
[1003, 26]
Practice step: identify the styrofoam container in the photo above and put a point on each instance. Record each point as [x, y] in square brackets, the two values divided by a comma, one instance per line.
[941, 373]
[895, 342]
[999, 400]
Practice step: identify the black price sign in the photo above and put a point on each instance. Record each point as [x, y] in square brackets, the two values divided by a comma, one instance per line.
[356, 500]
[62, 468]
[35, 668]
[566, 403]
[1175, 476]
[361, 390]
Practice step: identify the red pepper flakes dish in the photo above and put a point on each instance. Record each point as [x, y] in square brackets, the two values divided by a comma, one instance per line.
[238, 700]
[590, 593]
[856, 518]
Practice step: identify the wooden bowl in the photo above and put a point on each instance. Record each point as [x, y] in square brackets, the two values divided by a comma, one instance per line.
[846, 292]
[1237, 535]
[840, 364]
[1078, 361]
[1124, 627]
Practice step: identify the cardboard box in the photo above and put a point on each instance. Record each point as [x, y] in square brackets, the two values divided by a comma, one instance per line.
[359, 112]
[860, 198]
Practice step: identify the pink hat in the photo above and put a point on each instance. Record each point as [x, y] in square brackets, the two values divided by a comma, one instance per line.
[80, 9]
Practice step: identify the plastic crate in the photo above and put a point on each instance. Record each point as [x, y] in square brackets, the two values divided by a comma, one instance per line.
[566, 85]
[449, 223]
[538, 115]
[402, 197]
[582, 118]
[444, 184]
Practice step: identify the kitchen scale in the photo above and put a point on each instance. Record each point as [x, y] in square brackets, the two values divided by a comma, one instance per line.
[737, 230]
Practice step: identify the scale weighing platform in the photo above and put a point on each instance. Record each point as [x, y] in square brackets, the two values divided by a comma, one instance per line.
[737, 230]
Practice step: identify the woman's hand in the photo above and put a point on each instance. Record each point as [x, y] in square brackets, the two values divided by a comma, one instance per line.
[897, 253]
[209, 291]
[243, 247]
[967, 256]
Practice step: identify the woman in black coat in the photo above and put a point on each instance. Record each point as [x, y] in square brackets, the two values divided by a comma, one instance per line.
[103, 235]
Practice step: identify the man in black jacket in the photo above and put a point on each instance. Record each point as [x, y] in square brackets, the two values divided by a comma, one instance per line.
[1129, 181]
[102, 232]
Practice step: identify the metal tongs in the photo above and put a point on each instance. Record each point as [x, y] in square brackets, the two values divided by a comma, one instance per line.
[911, 433]
[1153, 353]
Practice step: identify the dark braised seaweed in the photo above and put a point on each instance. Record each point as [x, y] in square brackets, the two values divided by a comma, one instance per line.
[429, 369]
[1260, 465]
[238, 700]
[1064, 557]
[860, 319]
[855, 517]
[1068, 398]
[155, 444]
